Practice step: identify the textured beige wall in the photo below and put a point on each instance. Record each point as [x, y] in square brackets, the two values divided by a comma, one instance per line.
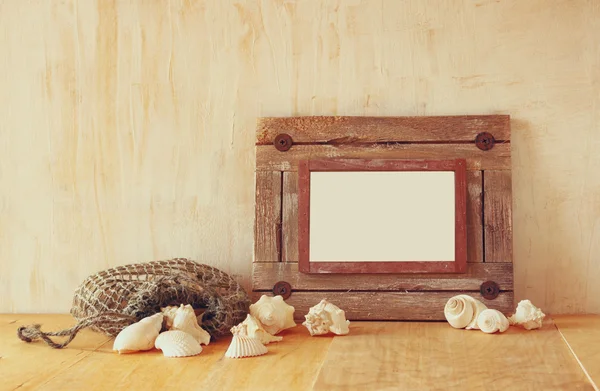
[126, 127]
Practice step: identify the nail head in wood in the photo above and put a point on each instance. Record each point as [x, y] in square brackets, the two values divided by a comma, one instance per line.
[489, 290]
[283, 289]
[485, 141]
[283, 142]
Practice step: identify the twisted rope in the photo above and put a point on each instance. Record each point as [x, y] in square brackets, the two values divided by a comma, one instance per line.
[33, 332]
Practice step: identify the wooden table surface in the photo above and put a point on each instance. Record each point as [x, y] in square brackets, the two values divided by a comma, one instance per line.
[563, 355]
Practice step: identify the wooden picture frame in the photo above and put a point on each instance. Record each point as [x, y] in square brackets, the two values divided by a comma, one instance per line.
[483, 141]
[456, 265]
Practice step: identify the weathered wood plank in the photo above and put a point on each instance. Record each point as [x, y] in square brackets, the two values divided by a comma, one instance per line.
[474, 217]
[497, 202]
[270, 159]
[434, 356]
[289, 232]
[265, 275]
[267, 224]
[382, 129]
[389, 305]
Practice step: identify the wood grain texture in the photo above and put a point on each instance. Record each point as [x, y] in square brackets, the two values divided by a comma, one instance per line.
[127, 128]
[497, 213]
[405, 305]
[28, 366]
[346, 130]
[289, 231]
[265, 275]
[409, 356]
[267, 225]
[474, 217]
[270, 159]
[367, 358]
[582, 334]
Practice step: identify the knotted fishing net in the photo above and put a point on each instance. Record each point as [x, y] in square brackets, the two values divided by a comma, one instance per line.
[115, 298]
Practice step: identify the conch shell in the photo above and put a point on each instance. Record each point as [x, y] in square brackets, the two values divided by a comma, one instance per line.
[185, 320]
[326, 317]
[242, 346]
[169, 314]
[491, 321]
[177, 343]
[462, 311]
[273, 313]
[139, 336]
[254, 329]
[527, 316]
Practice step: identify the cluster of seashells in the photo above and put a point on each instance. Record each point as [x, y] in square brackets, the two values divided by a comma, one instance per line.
[271, 315]
[184, 336]
[268, 317]
[466, 312]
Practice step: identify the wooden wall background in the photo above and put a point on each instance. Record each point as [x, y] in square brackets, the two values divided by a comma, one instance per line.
[127, 127]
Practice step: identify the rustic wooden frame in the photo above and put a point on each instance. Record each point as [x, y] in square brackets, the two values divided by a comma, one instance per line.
[483, 141]
[458, 166]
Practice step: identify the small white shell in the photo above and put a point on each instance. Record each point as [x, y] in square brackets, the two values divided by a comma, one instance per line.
[326, 317]
[245, 347]
[139, 336]
[177, 343]
[527, 316]
[462, 311]
[273, 313]
[185, 320]
[252, 328]
[491, 321]
[169, 313]
[479, 308]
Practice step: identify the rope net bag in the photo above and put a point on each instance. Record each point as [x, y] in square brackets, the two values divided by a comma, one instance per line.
[113, 299]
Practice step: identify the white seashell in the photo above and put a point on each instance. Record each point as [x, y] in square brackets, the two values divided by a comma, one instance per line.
[252, 328]
[185, 320]
[479, 308]
[461, 311]
[491, 321]
[139, 336]
[245, 347]
[273, 313]
[177, 343]
[527, 316]
[326, 317]
[169, 314]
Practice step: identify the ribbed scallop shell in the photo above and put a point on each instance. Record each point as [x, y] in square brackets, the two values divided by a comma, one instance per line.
[491, 321]
[176, 343]
[245, 347]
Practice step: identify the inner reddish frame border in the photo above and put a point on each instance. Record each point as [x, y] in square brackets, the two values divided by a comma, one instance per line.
[305, 167]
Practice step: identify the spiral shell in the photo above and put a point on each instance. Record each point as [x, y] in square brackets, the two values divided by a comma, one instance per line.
[185, 320]
[326, 317]
[273, 313]
[491, 321]
[139, 336]
[527, 316]
[177, 343]
[252, 328]
[462, 311]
